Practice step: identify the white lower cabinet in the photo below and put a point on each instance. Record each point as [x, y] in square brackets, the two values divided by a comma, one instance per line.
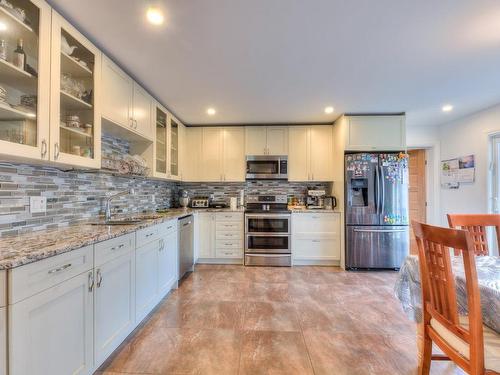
[316, 238]
[219, 237]
[168, 269]
[114, 310]
[51, 331]
[66, 314]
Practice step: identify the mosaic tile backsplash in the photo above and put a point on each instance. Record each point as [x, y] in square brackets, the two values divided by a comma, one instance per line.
[78, 196]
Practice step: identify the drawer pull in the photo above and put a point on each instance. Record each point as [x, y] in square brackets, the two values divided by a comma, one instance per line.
[316, 241]
[170, 227]
[149, 235]
[59, 269]
[117, 247]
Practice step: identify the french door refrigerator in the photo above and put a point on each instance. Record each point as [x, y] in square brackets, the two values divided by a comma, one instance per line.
[376, 210]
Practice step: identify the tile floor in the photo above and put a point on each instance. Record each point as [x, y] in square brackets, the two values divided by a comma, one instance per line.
[301, 320]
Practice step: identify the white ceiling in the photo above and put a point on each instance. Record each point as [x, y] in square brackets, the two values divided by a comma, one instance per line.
[283, 61]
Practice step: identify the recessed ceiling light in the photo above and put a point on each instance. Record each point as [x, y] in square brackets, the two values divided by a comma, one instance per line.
[447, 108]
[329, 110]
[211, 111]
[155, 16]
[3, 26]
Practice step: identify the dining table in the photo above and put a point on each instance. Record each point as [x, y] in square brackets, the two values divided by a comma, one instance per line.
[408, 290]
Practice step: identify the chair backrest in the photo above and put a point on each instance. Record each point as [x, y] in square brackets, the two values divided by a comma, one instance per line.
[476, 225]
[438, 287]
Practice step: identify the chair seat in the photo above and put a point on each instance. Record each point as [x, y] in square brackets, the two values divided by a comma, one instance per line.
[491, 342]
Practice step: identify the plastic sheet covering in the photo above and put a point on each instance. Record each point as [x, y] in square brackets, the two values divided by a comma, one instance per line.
[407, 288]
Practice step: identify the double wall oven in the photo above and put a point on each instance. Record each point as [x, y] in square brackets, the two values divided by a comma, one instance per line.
[267, 231]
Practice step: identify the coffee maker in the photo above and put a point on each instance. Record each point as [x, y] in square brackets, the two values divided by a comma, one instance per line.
[315, 199]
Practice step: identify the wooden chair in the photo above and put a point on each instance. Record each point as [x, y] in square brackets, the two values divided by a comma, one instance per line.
[476, 225]
[464, 340]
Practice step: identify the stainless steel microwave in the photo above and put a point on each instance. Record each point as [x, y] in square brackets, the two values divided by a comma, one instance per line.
[267, 167]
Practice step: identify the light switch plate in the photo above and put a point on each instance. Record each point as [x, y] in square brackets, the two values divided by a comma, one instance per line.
[38, 204]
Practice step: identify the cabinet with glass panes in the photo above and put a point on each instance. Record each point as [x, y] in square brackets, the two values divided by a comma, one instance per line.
[24, 78]
[161, 141]
[174, 148]
[75, 115]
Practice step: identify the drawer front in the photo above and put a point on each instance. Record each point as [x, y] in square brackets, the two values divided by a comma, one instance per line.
[271, 260]
[168, 227]
[28, 280]
[229, 216]
[316, 223]
[113, 248]
[229, 253]
[149, 234]
[229, 235]
[326, 249]
[229, 244]
[231, 226]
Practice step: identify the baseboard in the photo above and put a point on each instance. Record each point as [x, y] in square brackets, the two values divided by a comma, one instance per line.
[315, 262]
[219, 261]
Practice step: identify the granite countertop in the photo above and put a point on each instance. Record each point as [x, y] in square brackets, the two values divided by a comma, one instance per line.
[27, 248]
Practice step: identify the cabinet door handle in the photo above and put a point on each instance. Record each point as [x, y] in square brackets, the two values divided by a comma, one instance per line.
[135, 122]
[99, 278]
[44, 148]
[59, 269]
[131, 122]
[316, 241]
[56, 150]
[91, 281]
[162, 244]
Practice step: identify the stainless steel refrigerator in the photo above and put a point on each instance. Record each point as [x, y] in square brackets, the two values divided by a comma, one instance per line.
[376, 210]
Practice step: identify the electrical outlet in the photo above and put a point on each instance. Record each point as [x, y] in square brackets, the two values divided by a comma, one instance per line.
[38, 204]
[153, 199]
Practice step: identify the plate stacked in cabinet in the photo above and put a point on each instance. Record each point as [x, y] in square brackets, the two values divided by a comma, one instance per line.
[229, 233]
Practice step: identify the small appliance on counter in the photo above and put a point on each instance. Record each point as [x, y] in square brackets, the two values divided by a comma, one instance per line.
[315, 199]
[218, 204]
[200, 202]
[330, 203]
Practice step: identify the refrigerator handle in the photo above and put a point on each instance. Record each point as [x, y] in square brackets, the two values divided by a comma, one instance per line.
[382, 183]
[377, 189]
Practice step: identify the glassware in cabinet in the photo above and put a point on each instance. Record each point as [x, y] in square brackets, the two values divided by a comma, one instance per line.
[75, 116]
[161, 141]
[24, 78]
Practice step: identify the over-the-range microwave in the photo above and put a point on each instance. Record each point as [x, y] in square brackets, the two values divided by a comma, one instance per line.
[267, 167]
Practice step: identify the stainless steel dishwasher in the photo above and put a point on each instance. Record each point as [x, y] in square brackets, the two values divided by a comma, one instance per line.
[186, 250]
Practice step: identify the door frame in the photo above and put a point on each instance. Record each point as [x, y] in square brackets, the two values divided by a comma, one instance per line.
[432, 189]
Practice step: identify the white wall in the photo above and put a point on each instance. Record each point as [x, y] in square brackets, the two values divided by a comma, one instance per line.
[469, 135]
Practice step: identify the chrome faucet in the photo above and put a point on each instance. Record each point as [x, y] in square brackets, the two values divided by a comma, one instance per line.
[107, 207]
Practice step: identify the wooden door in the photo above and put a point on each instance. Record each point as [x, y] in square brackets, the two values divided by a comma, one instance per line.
[255, 140]
[211, 155]
[51, 332]
[298, 156]
[321, 153]
[277, 140]
[234, 154]
[417, 194]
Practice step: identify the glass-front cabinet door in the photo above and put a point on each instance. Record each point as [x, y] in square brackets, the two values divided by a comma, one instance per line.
[174, 148]
[24, 78]
[161, 145]
[75, 114]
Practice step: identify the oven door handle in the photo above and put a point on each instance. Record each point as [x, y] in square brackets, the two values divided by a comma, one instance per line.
[268, 255]
[267, 216]
[268, 234]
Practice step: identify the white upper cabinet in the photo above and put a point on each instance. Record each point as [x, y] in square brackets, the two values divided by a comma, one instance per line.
[141, 114]
[161, 141]
[25, 86]
[234, 154]
[75, 106]
[311, 153]
[126, 103]
[266, 140]
[118, 86]
[298, 156]
[192, 155]
[321, 152]
[277, 140]
[174, 141]
[211, 161]
[378, 133]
